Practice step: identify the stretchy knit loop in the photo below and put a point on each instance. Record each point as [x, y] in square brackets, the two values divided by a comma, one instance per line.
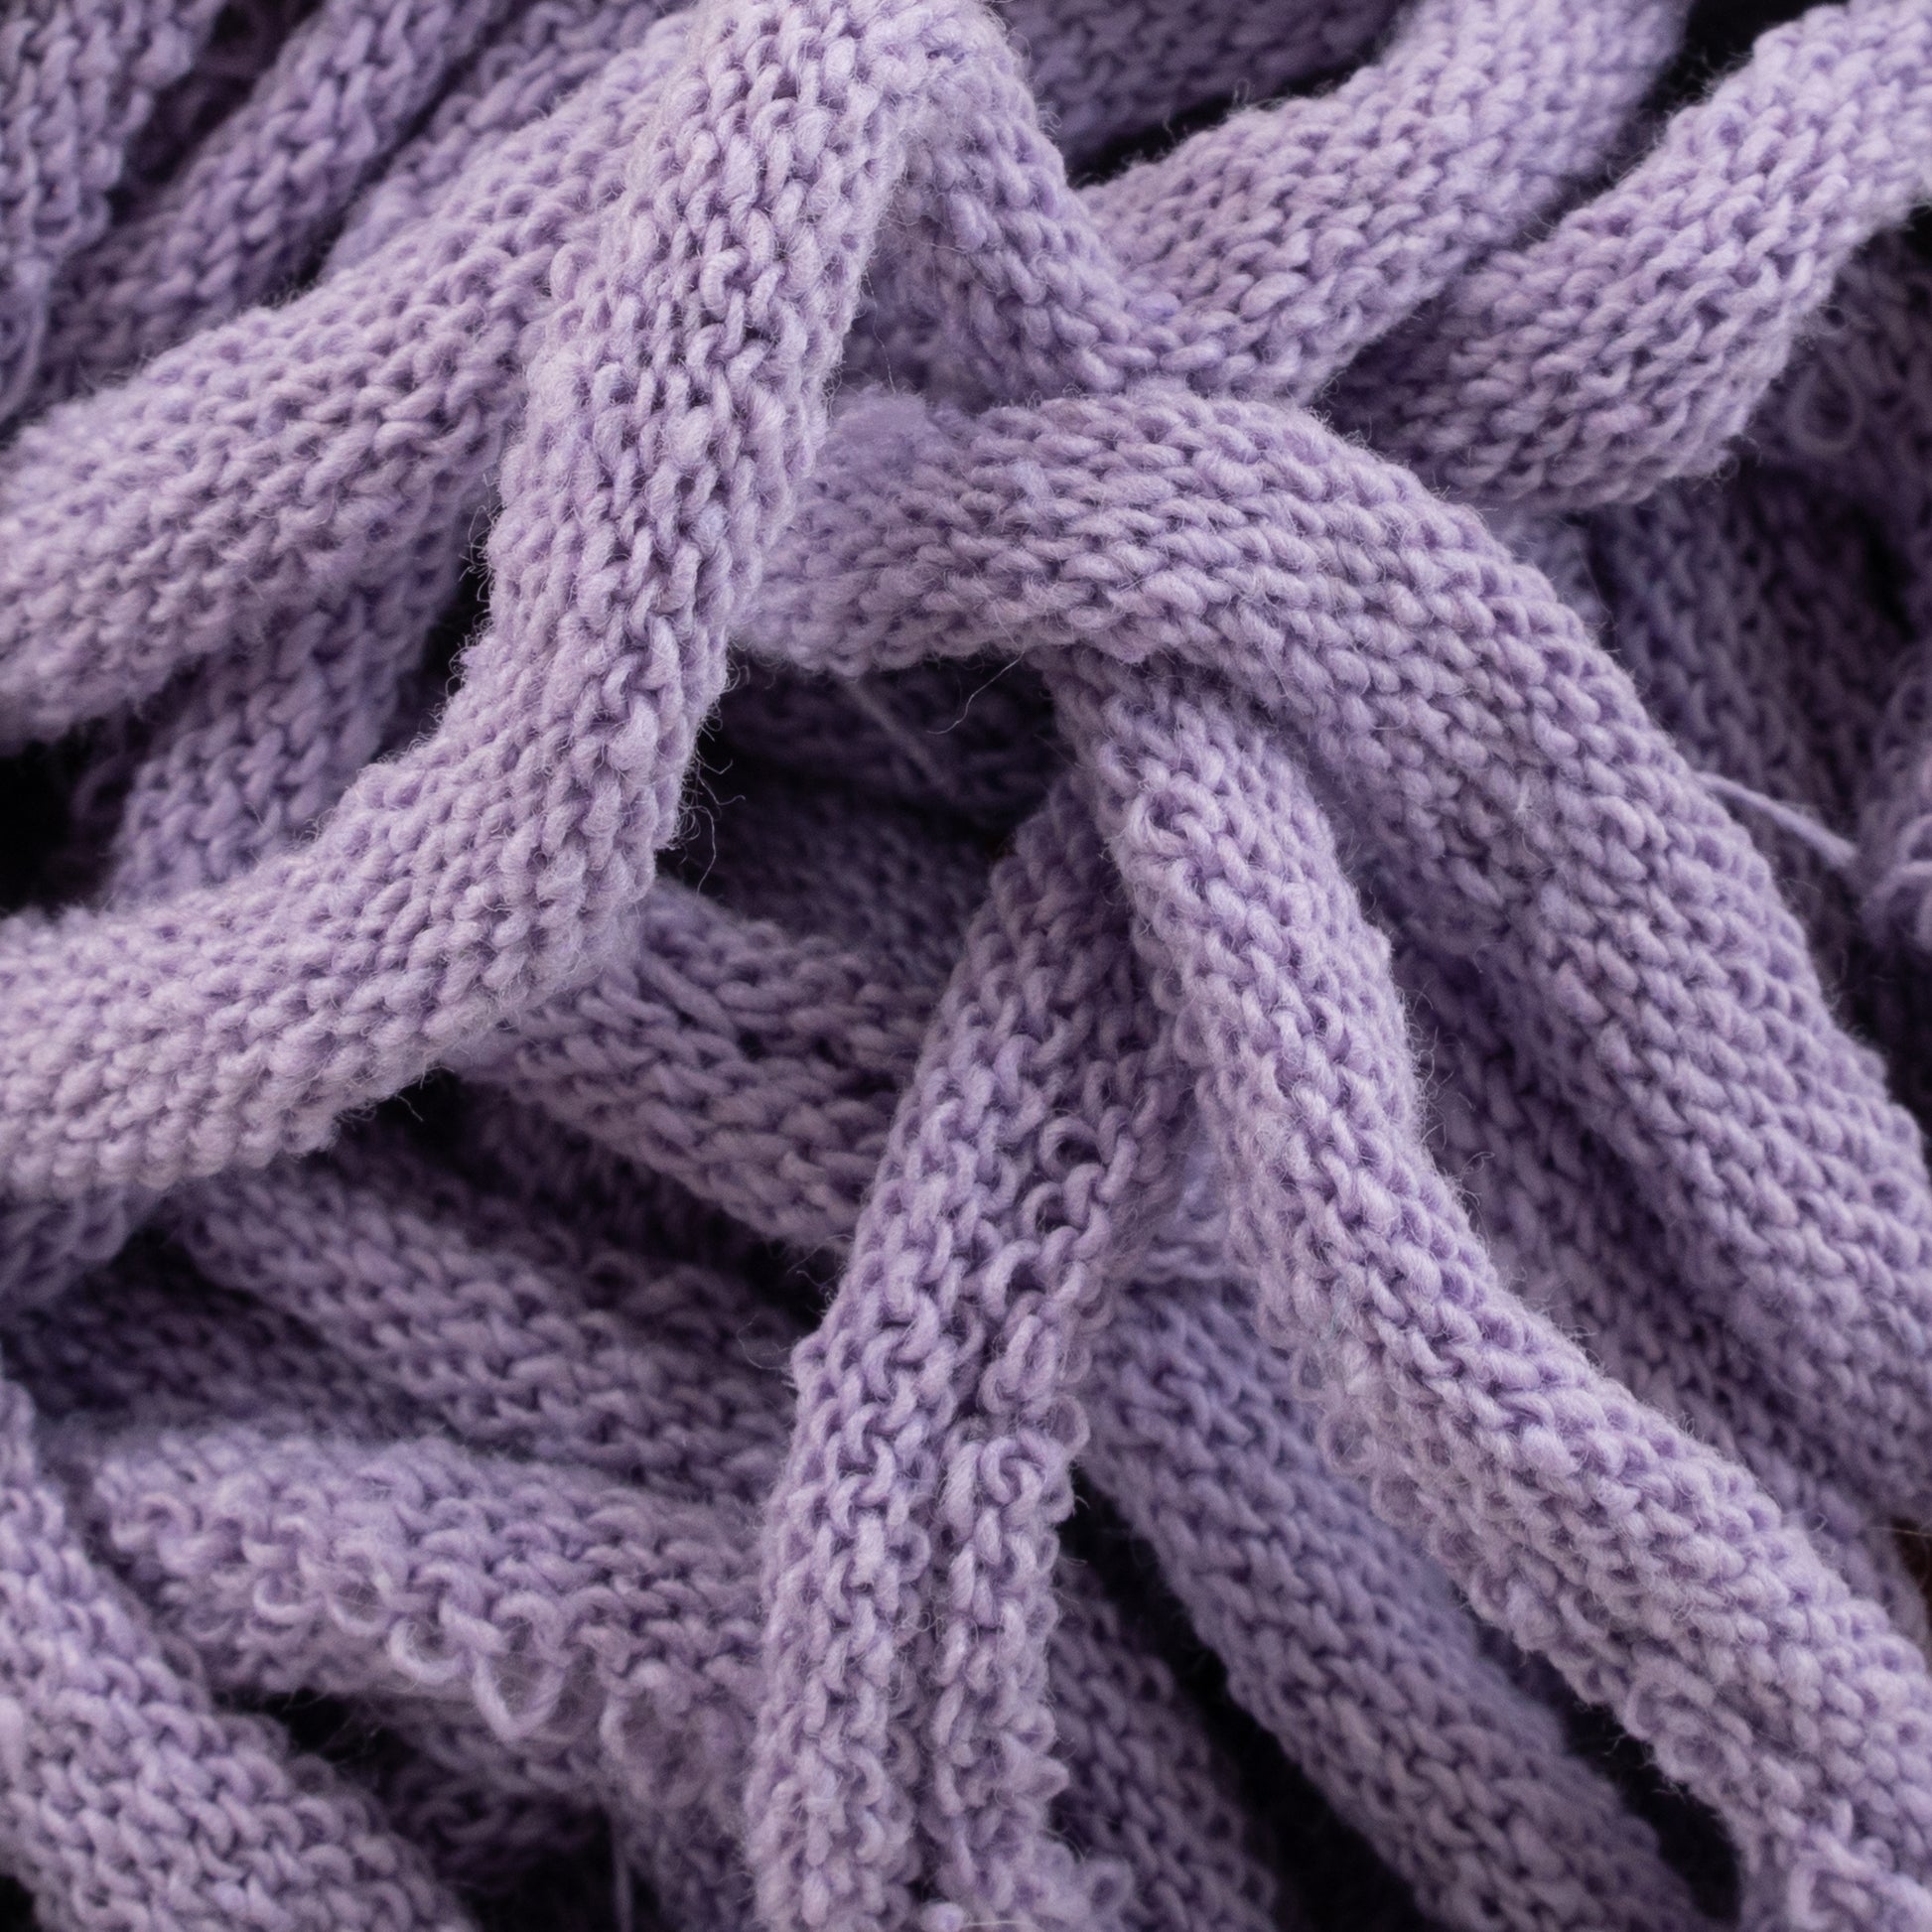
[77, 82]
[1353, 1234]
[964, 964]
[660, 539]
[1632, 345]
[1537, 818]
[243, 214]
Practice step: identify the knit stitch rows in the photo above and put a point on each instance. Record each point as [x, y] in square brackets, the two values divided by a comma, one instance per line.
[973, 969]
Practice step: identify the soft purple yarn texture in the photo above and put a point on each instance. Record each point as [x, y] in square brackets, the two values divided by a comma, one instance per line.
[965, 964]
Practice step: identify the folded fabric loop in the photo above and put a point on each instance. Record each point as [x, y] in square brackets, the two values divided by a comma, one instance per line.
[793, 779]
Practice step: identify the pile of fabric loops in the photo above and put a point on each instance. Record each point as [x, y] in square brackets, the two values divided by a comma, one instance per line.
[965, 967]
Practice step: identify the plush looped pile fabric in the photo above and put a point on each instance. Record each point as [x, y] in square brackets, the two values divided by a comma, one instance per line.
[965, 969]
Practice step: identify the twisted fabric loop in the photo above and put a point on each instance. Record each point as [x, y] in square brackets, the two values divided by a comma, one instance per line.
[939, 922]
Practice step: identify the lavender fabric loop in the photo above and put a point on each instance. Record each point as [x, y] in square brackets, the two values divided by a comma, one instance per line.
[963, 965]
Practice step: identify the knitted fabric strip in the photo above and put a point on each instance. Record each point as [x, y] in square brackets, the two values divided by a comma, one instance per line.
[77, 82]
[800, 793]
[1632, 345]
[279, 1373]
[429, 339]
[245, 755]
[491, 1345]
[429, 1625]
[542, 56]
[905, 882]
[1854, 415]
[988, 1304]
[1589, 1259]
[1100, 73]
[1464, 1783]
[774, 1111]
[231, 1367]
[243, 215]
[126, 1789]
[247, 39]
[1463, 762]
[1297, 1657]
[676, 573]
[1256, 315]
[1380, 1281]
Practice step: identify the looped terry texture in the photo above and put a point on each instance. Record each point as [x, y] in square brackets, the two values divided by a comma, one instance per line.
[966, 966]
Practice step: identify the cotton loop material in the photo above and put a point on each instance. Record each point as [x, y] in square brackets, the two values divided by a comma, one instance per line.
[966, 966]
